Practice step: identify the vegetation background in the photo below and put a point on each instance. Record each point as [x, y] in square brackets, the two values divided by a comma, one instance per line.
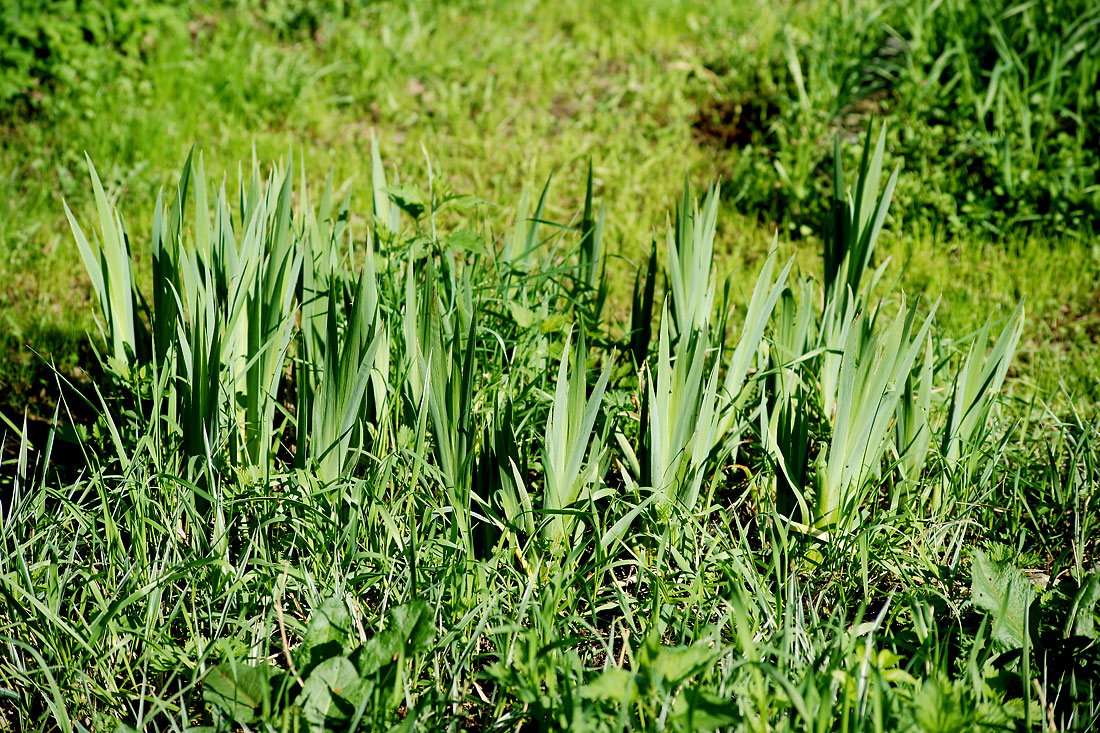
[991, 111]
[501, 95]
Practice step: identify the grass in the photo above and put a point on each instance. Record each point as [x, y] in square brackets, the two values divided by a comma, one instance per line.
[630, 103]
[991, 104]
[385, 454]
[375, 475]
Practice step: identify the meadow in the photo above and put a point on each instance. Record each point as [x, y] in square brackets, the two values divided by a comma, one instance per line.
[519, 366]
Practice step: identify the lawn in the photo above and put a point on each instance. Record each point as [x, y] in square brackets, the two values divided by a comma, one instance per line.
[515, 365]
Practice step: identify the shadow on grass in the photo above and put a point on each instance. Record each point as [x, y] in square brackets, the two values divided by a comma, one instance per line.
[39, 367]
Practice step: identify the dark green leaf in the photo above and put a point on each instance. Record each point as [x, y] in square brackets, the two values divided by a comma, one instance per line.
[938, 707]
[241, 691]
[1084, 608]
[408, 629]
[466, 241]
[1004, 592]
[408, 198]
[331, 692]
[676, 664]
[615, 683]
[702, 710]
[328, 635]
[413, 621]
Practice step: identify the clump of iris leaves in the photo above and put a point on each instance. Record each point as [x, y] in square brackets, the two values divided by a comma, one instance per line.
[401, 471]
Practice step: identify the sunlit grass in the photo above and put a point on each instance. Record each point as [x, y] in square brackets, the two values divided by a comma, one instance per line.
[345, 442]
[442, 433]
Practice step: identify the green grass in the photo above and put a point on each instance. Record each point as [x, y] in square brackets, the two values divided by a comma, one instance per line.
[316, 497]
[446, 78]
[493, 126]
[357, 442]
[992, 105]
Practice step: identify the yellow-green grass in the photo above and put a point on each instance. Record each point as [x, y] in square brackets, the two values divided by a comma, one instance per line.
[501, 95]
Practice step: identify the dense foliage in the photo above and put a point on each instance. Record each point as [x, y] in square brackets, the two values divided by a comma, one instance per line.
[280, 453]
[994, 105]
[75, 45]
[408, 474]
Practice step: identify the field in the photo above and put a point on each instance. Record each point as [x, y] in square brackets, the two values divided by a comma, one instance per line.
[527, 366]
